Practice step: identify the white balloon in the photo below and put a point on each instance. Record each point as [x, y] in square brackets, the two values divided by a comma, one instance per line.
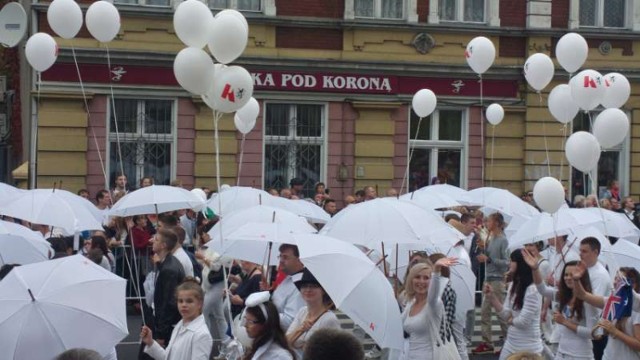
[548, 194]
[480, 54]
[583, 151]
[561, 104]
[192, 22]
[245, 118]
[587, 89]
[103, 21]
[228, 38]
[243, 126]
[611, 127]
[538, 70]
[617, 90]
[41, 51]
[65, 18]
[199, 193]
[194, 70]
[232, 89]
[424, 102]
[235, 13]
[572, 50]
[495, 114]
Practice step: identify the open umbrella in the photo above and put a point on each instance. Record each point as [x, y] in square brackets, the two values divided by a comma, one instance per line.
[7, 192]
[430, 200]
[494, 199]
[54, 207]
[352, 281]
[156, 199]
[615, 224]
[21, 245]
[51, 306]
[625, 254]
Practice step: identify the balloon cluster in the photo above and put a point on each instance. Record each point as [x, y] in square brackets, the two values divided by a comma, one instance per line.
[222, 87]
[65, 19]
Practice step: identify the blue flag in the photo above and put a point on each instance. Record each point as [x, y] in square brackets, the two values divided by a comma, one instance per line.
[620, 302]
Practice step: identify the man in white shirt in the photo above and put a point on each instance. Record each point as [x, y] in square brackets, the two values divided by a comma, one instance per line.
[601, 283]
[180, 254]
[286, 296]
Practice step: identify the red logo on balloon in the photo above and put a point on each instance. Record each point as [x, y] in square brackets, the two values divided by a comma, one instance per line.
[228, 94]
[589, 82]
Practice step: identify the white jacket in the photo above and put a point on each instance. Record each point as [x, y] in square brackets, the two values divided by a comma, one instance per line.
[191, 342]
[271, 351]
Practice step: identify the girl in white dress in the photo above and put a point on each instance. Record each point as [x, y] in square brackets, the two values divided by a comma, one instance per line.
[190, 338]
[262, 322]
[424, 312]
[314, 316]
[573, 320]
[521, 309]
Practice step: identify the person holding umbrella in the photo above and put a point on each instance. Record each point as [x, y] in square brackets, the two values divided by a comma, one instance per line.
[425, 312]
[315, 315]
[190, 338]
[262, 322]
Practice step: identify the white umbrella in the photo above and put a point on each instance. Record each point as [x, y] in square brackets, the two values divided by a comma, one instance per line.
[544, 226]
[309, 210]
[625, 254]
[355, 285]
[8, 192]
[494, 199]
[615, 224]
[390, 221]
[463, 282]
[446, 189]
[51, 306]
[156, 199]
[21, 245]
[56, 208]
[251, 241]
[430, 200]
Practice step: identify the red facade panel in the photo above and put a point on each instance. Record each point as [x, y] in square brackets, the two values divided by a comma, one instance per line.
[313, 8]
[560, 13]
[511, 46]
[513, 13]
[308, 38]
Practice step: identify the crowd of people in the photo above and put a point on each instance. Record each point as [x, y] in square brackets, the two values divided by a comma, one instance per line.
[547, 296]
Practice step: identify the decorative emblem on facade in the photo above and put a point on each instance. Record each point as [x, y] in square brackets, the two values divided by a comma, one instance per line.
[605, 48]
[118, 72]
[423, 43]
[457, 86]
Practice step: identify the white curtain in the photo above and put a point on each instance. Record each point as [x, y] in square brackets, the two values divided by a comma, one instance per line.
[614, 13]
[447, 9]
[474, 10]
[364, 8]
[392, 9]
[251, 5]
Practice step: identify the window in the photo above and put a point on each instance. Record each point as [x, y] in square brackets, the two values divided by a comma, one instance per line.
[294, 138]
[462, 10]
[613, 164]
[603, 13]
[164, 3]
[242, 5]
[439, 150]
[145, 130]
[379, 9]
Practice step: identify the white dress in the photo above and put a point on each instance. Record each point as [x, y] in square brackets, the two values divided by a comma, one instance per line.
[616, 349]
[524, 333]
[326, 320]
[271, 351]
[423, 328]
[190, 342]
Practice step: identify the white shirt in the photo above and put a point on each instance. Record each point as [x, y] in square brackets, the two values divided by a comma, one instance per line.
[524, 333]
[190, 342]
[601, 283]
[328, 320]
[271, 351]
[616, 349]
[467, 242]
[184, 259]
[462, 254]
[288, 301]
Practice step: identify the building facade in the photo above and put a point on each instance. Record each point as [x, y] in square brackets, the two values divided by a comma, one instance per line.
[334, 80]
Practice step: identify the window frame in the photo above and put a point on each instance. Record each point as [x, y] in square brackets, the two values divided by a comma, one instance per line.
[599, 16]
[624, 161]
[171, 138]
[276, 139]
[233, 4]
[377, 11]
[435, 145]
[459, 18]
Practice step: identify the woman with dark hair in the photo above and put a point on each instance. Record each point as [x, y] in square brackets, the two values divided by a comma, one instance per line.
[574, 320]
[262, 322]
[521, 309]
[108, 261]
[624, 335]
[314, 316]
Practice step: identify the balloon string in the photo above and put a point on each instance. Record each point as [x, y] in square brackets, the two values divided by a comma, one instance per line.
[544, 132]
[406, 172]
[493, 139]
[34, 135]
[482, 125]
[564, 141]
[114, 112]
[241, 156]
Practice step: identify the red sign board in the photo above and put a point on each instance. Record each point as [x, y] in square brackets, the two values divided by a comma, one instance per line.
[292, 81]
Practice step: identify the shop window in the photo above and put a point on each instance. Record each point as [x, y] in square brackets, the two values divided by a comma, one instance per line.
[242, 5]
[439, 149]
[145, 133]
[613, 164]
[294, 142]
[379, 9]
[603, 13]
[462, 10]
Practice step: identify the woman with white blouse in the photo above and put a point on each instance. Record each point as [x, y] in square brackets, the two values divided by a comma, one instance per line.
[573, 319]
[190, 338]
[521, 309]
[425, 312]
[314, 316]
